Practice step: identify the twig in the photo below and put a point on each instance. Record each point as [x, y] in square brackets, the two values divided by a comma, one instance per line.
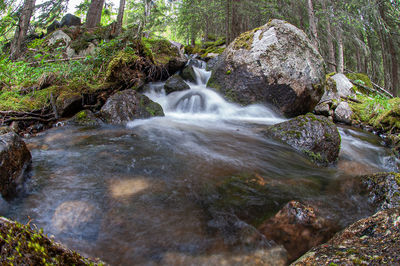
[58, 60]
[28, 119]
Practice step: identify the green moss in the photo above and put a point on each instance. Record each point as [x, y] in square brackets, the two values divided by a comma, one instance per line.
[81, 115]
[123, 58]
[245, 40]
[228, 72]
[315, 157]
[360, 78]
[159, 51]
[21, 245]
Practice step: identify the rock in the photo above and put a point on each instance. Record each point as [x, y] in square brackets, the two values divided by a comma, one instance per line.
[383, 189]
[343, 113]
[69, 105]
[196, 63]
[58, 36]
[176, 64]
[76, 218]
[85, 118]
[34, 247]
[14, 159]
[322, 109]
[331, 95]
[90, 50]
[212, 63]
[70, 20]
[274, 64]
[343, 85]
[175, 83]
[127, 105]
[5, 130]
[53, 26]
[370, 241]
[298, 227]
[188, 74]
[315, 136]
[274, 256]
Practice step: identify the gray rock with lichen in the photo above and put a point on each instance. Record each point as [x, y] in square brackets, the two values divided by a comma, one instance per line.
[315, 136]
[343, 113]
[274, 64]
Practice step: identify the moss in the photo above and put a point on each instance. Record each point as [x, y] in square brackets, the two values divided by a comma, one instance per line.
[228, 72]
[81, 115]
[159, 51]
[315, 157]
[245, 40]
[360, 78]
[123, 58]
[21, 245]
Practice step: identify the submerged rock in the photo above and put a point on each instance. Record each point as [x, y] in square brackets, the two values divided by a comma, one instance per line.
[14, 159]
[127, 105]
[85, 118]
[28, 247]
[76, 218]
[383, 189]
[175, 83]
[274, 256]
[274, 64]
[315, 136]
[370, 241]
[298, 227]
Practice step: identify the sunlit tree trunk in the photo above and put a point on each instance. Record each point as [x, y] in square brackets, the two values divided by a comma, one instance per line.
[340, 62]
[93, 16]
[22, 28]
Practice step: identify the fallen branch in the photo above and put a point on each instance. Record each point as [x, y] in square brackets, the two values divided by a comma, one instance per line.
[38, 119]
[57, 60]
[24, 114]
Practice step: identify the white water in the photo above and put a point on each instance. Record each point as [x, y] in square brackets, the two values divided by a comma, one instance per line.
[202, 105]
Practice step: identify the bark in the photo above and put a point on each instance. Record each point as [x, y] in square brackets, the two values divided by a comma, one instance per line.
[22, 28]
[120, 17]
[236, 20]
[93, 16]
[227, 21]
[340, 63]
[329, 42]
[313, 25]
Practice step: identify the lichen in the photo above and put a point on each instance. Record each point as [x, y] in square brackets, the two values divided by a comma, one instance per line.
[245, 40]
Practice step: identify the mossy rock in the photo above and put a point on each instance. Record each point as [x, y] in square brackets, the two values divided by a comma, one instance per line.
[160, 51]
[21, 245]
[360, 78]
[85, 118]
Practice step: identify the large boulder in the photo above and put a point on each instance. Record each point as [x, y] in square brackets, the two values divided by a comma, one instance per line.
[175, 83]
[127, 105]
[70, 20]
[343, 85]
[14, 159]
[298, 227]
[189, 74]
[370, 241]
[315, 136]
[275, 64]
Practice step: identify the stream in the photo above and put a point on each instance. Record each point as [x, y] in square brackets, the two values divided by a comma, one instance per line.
[149, 193]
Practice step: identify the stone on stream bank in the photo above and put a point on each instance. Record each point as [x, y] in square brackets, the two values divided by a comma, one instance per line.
[14, 159]
[370, 241]
[315, 136]
[275, 64]
[298, 228]
[127, 105]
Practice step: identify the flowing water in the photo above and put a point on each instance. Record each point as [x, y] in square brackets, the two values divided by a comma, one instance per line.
[160, 189]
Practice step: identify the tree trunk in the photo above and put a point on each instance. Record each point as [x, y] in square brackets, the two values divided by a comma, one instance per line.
[313, 25]
[93, 16]
[120, 16]
[395, 68]
[329, 42]
[340, 63]
[22, 28]
[227, 21]
[236, 20]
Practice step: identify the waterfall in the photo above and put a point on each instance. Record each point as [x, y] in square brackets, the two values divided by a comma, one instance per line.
[201, 103]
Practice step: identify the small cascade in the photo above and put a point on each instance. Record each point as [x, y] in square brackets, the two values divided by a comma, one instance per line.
[202, 103]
